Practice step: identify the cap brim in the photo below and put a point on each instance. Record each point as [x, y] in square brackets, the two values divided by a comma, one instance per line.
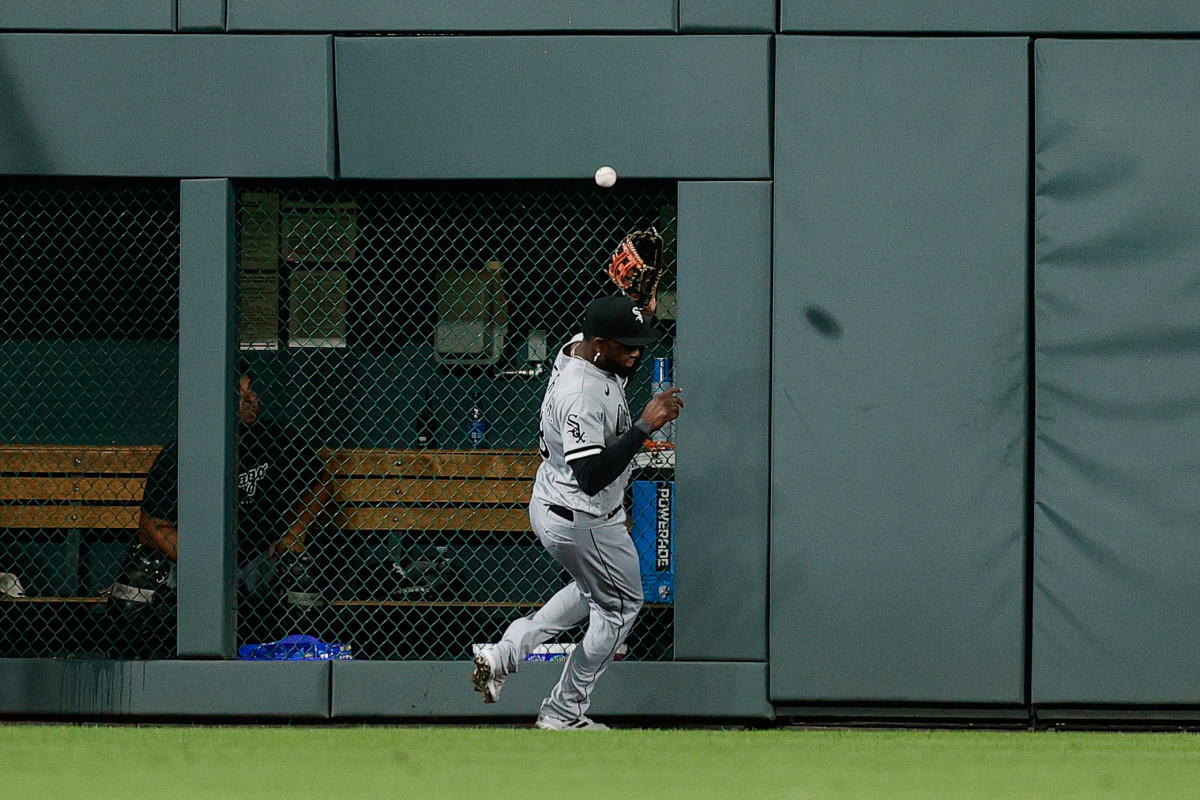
[638, 341]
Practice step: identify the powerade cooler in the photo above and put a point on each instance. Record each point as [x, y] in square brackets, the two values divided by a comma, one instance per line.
[653, 534]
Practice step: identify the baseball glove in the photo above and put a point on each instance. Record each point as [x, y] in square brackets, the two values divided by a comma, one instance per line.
[637, 266]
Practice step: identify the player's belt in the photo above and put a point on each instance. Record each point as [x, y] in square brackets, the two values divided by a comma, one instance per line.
[569, 515]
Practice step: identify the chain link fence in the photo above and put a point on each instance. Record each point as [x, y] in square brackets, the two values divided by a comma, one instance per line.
[399, 338]
[89, 277]
[396, 343]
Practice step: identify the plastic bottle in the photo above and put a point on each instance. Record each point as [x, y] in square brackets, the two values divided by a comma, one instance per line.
[426, 424]
[660, 381]
[476, 423]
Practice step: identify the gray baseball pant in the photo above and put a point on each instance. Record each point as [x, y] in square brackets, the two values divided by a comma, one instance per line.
[606, 591]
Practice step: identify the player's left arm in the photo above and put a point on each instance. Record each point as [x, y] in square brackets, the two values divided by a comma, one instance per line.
[311, 501]
[309, 505]
[594, 473]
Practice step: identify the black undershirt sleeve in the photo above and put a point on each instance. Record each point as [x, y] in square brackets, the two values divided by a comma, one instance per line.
[593, 473]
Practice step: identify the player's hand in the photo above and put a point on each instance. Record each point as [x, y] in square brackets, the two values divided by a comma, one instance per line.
[663, 408]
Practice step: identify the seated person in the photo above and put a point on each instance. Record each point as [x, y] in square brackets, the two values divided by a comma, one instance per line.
[282, 487]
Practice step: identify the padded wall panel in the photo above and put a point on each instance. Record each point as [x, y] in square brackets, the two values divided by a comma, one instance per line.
[898, 441]
[208, 421]
[408, 689]
[452, 15]
[721, 16]
[94, 15]
[1118, 373]
[723, 364]
[554, 106]
[86, 688]
[986, 16]
[185, 105]
[201, 15]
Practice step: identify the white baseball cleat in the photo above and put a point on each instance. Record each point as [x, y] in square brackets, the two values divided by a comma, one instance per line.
[487, 677]
[581, 724]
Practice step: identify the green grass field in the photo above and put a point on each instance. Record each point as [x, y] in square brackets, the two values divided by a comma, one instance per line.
[482, 763]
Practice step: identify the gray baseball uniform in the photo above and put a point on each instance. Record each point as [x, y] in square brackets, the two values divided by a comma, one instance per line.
[584, 411]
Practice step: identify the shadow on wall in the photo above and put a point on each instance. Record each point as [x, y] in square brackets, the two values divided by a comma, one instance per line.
[21, 149]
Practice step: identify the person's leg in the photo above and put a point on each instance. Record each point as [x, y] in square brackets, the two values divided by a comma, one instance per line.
[604, 563]
[566, 609]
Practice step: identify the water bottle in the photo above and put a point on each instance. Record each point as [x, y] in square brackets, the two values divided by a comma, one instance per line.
[660, 381]
[426, 424]
[476, 423]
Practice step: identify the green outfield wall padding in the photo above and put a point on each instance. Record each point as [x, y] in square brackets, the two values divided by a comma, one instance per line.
[95, 688]
[186, 105]
[723, 364]
[208, 420]
[719, 16]
[453, 15]
[899, 370]
[95, 15]
[201, 15]
[984, 16]
[554, 106]
[1118, 373]
[422, 689]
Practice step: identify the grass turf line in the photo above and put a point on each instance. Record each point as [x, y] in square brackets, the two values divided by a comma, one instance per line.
[66, 761]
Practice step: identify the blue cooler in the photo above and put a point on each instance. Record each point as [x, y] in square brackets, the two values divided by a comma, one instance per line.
[653, 534]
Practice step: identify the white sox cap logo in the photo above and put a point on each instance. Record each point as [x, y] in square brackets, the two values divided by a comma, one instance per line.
[637, 312]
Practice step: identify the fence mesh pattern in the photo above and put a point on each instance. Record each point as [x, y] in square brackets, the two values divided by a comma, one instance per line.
[399, 339]
[396, 343]
[89, 277]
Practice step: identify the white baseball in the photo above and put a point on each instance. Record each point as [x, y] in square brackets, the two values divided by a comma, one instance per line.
[606, 177]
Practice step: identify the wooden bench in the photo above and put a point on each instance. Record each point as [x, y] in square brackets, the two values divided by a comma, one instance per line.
[99, 488]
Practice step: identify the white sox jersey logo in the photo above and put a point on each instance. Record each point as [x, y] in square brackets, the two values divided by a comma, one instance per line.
[575, 429]
[248, 481]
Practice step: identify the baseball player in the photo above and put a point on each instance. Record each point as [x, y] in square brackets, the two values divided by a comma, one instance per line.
[587, 441]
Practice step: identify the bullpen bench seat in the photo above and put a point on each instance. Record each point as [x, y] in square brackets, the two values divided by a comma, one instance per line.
[76, 490]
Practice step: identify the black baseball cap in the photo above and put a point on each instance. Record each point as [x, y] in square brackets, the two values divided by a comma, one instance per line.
[618, 318]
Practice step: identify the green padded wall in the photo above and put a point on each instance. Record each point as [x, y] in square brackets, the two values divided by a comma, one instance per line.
[208, 419]
[452, 15]
[184, 105]
[1118, 394]
[94, 15]
[898, 441]
[554, 106]
[723, 364]
[986, 16]
[280, 690]
[721, 16]
[425, 689]
[200, 15]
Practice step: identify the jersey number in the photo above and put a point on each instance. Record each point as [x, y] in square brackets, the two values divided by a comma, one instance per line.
[545, 451]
